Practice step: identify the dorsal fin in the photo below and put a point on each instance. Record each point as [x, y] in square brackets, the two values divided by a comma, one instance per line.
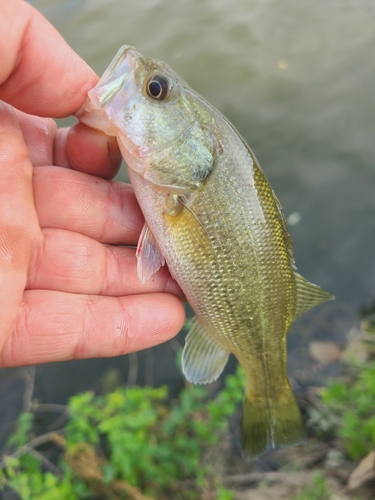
[309, 295]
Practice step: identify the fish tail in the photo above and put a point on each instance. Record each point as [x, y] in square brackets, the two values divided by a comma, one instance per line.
[270, 422]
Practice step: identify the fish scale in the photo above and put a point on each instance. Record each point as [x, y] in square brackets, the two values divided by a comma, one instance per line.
[212, 216]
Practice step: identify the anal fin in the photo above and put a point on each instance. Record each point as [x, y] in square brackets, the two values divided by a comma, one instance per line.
[203, 359]
[149, 258]
[309, 295]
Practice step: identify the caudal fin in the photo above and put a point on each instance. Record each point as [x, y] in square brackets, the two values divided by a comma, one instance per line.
[269, 423]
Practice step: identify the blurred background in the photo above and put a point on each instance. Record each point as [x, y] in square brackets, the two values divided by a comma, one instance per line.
[297, 79]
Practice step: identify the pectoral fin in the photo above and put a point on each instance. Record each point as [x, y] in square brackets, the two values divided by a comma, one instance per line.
[309, 295]
[203, 359]
[148, 255]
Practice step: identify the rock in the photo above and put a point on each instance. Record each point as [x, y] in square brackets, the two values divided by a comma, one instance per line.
[356, 352]
[335, 459]
[364, 473]
[324, 351]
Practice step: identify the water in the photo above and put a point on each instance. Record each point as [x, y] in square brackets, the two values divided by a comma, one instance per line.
[297, 79]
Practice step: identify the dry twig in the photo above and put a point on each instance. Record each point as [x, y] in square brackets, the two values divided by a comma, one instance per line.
[34, 443]
[87, 465]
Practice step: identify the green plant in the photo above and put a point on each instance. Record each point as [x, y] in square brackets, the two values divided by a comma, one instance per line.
[354, 404]
[224, 494]
[131, 442]
[316, 490]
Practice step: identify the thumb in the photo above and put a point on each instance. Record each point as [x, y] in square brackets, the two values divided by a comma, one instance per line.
[39, 73]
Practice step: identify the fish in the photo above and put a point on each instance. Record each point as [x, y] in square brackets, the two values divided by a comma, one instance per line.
[213, 218]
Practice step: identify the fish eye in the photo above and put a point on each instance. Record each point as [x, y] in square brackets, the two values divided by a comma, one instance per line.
[158, 88]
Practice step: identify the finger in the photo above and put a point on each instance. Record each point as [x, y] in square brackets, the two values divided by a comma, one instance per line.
[70, 262]
[106, 211]
[60, 157]
[57, 326]
[78, 147]
[19, 229]
[39, 135]
[92, 151]
[39, 73]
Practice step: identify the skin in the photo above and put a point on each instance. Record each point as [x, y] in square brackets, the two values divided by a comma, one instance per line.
[66, 290]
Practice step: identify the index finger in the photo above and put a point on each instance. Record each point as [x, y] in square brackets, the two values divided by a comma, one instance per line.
[39, 73]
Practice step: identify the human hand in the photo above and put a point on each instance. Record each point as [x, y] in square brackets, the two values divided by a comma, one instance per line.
[66, 290]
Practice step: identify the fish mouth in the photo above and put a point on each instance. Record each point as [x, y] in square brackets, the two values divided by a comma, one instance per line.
[105, 102]
[114, 77]
[113, 87]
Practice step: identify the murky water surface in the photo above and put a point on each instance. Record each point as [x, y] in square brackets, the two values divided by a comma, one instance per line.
[297, 78]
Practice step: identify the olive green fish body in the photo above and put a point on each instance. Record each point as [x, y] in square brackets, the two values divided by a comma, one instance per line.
[228, 249]
[212, 216]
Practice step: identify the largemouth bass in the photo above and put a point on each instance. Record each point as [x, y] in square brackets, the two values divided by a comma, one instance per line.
[212, 216]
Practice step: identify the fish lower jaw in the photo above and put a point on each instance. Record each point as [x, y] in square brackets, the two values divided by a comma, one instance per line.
[96, 118]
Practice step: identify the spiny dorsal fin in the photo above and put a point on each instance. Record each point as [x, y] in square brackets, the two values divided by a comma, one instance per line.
[203, 359]
[309, 295]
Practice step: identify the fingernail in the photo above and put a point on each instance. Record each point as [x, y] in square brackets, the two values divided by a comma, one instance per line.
[114, 152]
